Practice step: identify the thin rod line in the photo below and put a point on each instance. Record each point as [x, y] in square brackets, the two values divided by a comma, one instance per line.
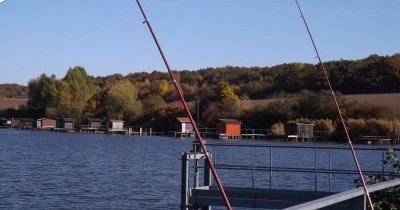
[337, 109]
[180, 92]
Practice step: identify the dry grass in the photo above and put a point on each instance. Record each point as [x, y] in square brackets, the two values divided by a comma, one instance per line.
[373, 127]
[15, 103]
[391, 101]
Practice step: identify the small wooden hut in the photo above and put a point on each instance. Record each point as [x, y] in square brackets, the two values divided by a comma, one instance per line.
[25, 123]
[115, 125]
[299, 131]
[66, 124]
[229, 129]
[45, 123]
[183, 127]
[91, 124]
[4, 123]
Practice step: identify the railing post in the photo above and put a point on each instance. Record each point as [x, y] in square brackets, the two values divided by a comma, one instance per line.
[270, 167]
[207, 179]
[185, 182]
[252, 169]
[315, 170]
[330, 170]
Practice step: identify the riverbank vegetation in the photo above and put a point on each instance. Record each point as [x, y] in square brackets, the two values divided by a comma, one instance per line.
[296, 91]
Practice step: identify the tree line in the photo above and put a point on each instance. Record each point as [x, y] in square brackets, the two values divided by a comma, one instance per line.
[150, 99]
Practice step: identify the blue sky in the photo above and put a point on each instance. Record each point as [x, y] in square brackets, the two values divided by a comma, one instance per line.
[107, 37]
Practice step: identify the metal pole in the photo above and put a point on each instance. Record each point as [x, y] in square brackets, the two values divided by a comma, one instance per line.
[180, 93]
[337, 109]
[330, 170]
[315, 170]
[270, 167]
[252, 169]
[185, 182]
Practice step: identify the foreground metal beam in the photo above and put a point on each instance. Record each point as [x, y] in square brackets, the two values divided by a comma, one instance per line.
[252, 197]
[344, 196]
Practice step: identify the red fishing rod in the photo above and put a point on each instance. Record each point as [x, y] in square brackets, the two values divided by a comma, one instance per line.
[184, 103]
[337, 109]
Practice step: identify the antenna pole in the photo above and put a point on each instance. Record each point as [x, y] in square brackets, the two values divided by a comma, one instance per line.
[337, 109]
[180, 92]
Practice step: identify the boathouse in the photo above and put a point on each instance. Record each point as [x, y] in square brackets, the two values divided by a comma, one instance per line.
[229, 129]
[91, 124]
[183, 127]
[5, 123]
[115, 125]
[299, 131]
[22, 123]
[45, 123]
[66, 124]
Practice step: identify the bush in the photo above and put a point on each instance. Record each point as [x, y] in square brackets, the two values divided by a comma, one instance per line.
[277, 129]
[373, 127]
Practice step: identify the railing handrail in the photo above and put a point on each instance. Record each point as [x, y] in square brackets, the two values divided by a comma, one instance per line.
[300, 146]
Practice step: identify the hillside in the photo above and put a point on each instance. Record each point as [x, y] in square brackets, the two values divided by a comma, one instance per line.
[13, 91]
[390, 101]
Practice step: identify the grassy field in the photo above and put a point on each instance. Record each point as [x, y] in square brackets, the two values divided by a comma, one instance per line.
[389, 100]
[15, 103]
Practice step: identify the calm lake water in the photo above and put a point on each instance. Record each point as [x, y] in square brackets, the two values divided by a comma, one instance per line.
[45, 170]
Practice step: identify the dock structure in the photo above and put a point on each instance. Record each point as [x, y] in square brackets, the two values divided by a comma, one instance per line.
[203, 194]
[383, 140]
[254, 133]
[299, 132]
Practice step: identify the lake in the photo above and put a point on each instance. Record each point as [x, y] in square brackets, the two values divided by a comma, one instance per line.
[48, 170]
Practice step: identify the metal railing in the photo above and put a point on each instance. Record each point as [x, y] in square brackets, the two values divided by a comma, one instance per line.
[312, 168]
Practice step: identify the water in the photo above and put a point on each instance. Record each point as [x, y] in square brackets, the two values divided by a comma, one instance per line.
[45, 170]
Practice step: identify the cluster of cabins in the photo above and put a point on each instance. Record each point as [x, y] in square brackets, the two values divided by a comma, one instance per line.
[64, 124]
[230, 129]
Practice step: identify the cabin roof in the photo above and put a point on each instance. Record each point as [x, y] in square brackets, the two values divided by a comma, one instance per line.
[116, 121]
[44, 118]
[183, 119]
[93, 119]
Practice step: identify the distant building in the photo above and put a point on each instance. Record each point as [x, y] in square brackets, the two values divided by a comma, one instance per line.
[5, 123]
[67, 124]
[45, 123]
[91, 124]
[183, 127]
[22, 123]
[299, 131]
[115, 125]
[229, 129]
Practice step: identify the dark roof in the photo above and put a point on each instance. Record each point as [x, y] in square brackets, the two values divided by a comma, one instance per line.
[93, 119]
[230, 121]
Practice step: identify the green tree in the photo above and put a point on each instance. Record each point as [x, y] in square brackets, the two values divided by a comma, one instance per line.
[81, 87]
[121, 101]
[43, 92]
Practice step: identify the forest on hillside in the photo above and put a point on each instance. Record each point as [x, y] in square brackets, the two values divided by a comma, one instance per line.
[150, 99]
